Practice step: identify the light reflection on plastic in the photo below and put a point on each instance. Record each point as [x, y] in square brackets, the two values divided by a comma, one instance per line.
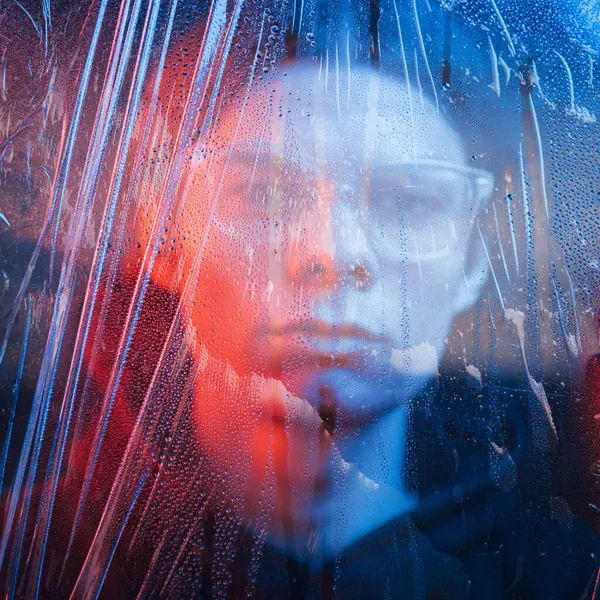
[257, 242]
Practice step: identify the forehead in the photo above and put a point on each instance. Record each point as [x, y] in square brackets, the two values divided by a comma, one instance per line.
[311, 115]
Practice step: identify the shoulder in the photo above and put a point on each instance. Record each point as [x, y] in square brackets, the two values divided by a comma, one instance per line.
[484, 465]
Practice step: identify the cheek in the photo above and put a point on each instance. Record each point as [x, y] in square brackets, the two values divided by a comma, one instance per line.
[430, 295]
[227, 305]
[437, 281]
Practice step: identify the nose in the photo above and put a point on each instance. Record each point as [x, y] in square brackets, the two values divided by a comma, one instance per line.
[329, 245]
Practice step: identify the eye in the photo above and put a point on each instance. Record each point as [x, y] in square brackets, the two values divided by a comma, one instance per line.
[419, 207]
[240, 189]
[409, 202]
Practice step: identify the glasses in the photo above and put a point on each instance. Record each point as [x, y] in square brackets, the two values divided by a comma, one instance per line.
[424, 208]
[431, 205]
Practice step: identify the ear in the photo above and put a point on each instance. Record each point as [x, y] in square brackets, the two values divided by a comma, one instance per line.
[475, 270]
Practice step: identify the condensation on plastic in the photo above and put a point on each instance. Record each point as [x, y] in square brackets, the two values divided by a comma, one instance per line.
[237, 236]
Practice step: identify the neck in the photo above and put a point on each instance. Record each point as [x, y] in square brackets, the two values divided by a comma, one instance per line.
[361, 488]
[377, 450]
[373, 491]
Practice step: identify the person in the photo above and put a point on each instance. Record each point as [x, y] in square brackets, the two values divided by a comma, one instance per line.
[311, 276]
[264, 407]
[359, 240]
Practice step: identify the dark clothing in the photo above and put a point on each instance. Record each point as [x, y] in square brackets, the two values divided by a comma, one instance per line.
[494, 520]
[489, 524]
[499, 513]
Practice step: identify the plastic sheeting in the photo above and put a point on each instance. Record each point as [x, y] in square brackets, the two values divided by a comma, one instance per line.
[299, 299]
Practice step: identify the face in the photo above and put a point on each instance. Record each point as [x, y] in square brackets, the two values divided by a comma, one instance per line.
[326, 230]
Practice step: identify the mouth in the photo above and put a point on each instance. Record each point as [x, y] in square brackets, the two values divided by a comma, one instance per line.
[320, 330]
[314, 345]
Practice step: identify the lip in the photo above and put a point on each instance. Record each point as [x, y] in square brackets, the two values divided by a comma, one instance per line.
[321, 330]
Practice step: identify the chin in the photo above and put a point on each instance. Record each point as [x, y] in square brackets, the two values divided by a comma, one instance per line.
[354, 398]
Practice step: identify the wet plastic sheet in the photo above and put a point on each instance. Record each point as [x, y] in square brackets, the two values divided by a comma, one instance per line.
[299, 299]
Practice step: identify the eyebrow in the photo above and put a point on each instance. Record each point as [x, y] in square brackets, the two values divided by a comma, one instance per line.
[247, 157]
